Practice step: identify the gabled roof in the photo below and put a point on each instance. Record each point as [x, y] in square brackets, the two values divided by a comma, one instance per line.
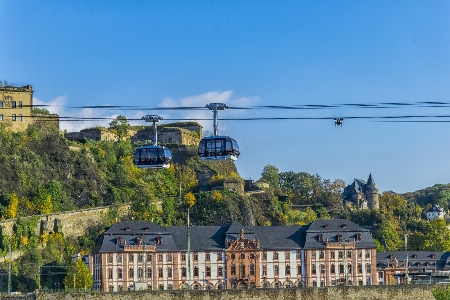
[435, 208]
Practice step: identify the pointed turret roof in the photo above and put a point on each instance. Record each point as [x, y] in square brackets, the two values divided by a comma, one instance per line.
[370, 180]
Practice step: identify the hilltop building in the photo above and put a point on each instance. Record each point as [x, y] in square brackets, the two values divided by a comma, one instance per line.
[16, 105]
[363, 194]
[183, 133]
[141, 255]
[96, 134]
[435, 212]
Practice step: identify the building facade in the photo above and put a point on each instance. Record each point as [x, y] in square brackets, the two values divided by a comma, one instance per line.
[363, 194]
[142, 255]
[421, 266]
[435, 212]
[15, 107]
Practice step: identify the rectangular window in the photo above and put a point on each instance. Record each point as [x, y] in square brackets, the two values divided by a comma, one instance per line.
[208, 256]
[169, 272]
[149, 257]
[219, 271]
[131, 257]
[332, 254]
[195, 256]
[149, 272]
[275, 255]
[13, 104]
[13, 117]
[233, 270]
[20, 104]
[131, 273]
[1, 117]
[160, 257]
[1, 103]
[252, 269]
[169, 257]
[299, 269]
[208, 271]
[264, 270]
[183, 257]
[183, 272]
[160, 272]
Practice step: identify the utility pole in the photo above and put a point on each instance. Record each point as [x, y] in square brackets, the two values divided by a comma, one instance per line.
[345, 264]
[189, 251]
[145, 265]
[407, 263]
[9, 269]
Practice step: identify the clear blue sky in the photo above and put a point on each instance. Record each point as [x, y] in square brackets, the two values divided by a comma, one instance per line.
[246, 53]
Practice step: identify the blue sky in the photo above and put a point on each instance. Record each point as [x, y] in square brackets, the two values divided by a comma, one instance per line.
[247, 53]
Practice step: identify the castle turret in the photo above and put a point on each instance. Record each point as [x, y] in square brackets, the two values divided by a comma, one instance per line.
[372, 193]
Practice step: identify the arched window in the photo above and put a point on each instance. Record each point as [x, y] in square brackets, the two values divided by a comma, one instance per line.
[233, 269]
[183, 271]
[341, 254]
[140, 273]
[313, 268]
[276, 270]
[252, 269]
[333, 269]
[119, 273]
[131, 272]
[242, 256]
[288, 270]
[252, 256]
[264, 270]
[169, 272]
[232, 256]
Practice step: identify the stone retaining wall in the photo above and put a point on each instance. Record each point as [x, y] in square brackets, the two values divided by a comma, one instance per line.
[417, 292]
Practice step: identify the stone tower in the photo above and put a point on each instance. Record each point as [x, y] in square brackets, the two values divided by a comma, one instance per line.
[372, 193]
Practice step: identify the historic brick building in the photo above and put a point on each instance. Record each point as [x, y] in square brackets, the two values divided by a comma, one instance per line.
[140, 255]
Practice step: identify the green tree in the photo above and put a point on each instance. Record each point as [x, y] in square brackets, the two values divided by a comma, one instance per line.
[389, 233]
[442, 292]
[120, 126]
[270, 174]
[437, 237]
[78, 274]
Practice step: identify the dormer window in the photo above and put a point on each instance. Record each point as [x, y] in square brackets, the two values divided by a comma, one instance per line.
[326, 226]
[320, 237]
[127, 228]
[418, 264]
[358, 237]
[339, 238]
[147, 228]
[118, 240]
[139, 240]
[344, 225]
[433, 256]
[414, 256]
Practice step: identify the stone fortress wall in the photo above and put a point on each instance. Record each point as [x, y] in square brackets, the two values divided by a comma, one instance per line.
[400, 292]
[72, 223]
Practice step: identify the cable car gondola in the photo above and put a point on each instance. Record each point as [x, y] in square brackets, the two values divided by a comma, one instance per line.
[152, 156]
[218, 148]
